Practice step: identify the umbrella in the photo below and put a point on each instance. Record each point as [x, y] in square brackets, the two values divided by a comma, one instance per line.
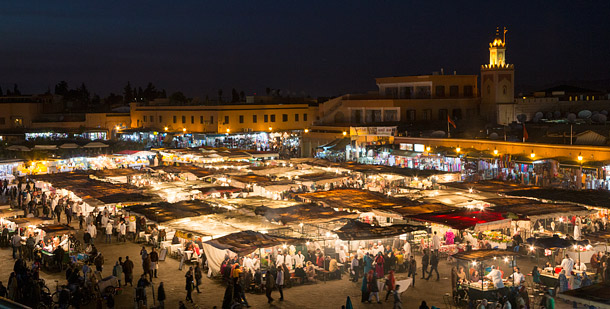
[18, 148]
[69, 146]
[95, 145]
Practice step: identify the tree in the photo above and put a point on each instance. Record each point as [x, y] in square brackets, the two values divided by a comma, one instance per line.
[1, 93]
[84, 94]
[242, 96]
[16, 90]
[128, 93]
[234, 96]
[178, 98]
[61, 88]
[219, 95]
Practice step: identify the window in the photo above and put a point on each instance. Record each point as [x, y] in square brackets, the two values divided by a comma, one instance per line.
[284, 117]
[442, 114]
[454, 91]
[356, 116]
[488, 89]
[440, 91]
[304, 117]
[136, 125]
[226, 119]
[160, 119]
[2, 120]
[296, 117]
[174, 119]
[183, 119]
[422, 92]
[468, 91]
[406, 92]
[201, 119]
[211, 119]
[241, 118]
[144, 118]
[273, 118]
[254, 118]
[266, 118]
[152, 118]
[427, 115]
[391, 92]
[390, 115]
[411, 114]
[192, 119]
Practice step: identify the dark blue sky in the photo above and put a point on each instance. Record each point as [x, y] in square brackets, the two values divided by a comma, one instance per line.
[316, 47]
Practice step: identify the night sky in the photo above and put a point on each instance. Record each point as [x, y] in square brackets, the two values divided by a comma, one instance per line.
[315, 47]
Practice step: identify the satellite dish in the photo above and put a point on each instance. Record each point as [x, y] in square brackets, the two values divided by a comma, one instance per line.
[584, 114]
[571, 117]
[556, 114]
[438, 134]
[539, 115]
[604, 112]
[494, 135]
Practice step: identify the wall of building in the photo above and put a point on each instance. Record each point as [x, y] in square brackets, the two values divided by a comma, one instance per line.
[18, 114]
[220, 118]
[541, 151]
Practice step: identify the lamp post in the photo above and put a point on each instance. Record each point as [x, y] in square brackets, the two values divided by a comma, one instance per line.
[580, 171]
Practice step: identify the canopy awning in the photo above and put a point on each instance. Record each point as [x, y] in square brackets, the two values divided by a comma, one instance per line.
[52, 230]
[303, 213]
[69, 146]
[482, 255]
[356, 230]
[464, 219]
[95, 145]
[554, 242]
[596, 295]
[45, 147]
[246, 242]
[17, 148]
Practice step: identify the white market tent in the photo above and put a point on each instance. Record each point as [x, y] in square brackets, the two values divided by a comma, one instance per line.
[95, 145]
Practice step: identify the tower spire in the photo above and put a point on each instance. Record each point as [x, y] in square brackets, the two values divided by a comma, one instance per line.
[504, 38]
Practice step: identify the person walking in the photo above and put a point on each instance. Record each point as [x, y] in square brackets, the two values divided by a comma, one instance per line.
[122, 231]
[161, 296]
[390, 284]
[269, 285]
[154, 262]
[424, 263]
[146, 267]
[99, 262]
[433, 266]
[279, 281]
[189, 284]
[16, 244]
[412, 269]
[373, 286]
[436, 243]
[198, 276]
[397, 300]
[108, 232]
[92, 230]
[117, 271]
[128, 270]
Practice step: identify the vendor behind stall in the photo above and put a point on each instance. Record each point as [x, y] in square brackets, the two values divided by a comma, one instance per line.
[495, 276]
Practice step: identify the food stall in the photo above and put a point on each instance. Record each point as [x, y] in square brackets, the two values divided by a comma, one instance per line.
[481, 260]
[593, 296]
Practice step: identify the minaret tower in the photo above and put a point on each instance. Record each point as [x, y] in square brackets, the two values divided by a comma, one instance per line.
[497, 83]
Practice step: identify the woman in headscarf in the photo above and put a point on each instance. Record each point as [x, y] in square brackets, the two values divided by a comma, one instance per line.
[563, 281]
[379, 261]
[364, 288]
[536, 275]
[390, 284]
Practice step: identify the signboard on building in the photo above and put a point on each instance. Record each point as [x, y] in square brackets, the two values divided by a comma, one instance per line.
[372, 131]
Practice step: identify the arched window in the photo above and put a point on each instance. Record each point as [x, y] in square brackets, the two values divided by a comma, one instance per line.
[504, 89]
[488, 89]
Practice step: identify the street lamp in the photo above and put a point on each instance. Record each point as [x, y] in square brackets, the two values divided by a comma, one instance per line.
[166, 128]
[184, 130]
[532, 155]
[306, 130]
[495, 152]
[270, 129]
[428, 149]
[344, 133]
[228, 130]
[580, 157]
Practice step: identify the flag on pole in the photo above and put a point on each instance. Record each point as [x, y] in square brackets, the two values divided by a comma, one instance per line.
[451, 121]
[525, 135]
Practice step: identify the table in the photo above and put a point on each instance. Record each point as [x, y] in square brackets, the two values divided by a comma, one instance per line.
[322, 272]
[478, 293]
[549, 280]
[173, 248]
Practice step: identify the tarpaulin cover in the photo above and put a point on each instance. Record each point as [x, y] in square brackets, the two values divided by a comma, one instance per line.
[57, 229]
[246, 242]
[481, 255]
[197, 171]
[217, 189]
[460, 219]
[164, 211]
[538, 210]
[554, 242]
[490, 186]
[360, 200]
[304, 213]
[356, 230]
[600, 198]
[596, 295]
[601, 236]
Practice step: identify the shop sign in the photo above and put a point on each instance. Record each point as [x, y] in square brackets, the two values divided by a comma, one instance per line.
[406, 147]
[418, 148]
[377, 131]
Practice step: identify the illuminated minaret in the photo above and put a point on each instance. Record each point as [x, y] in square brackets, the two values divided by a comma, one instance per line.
[497, 83]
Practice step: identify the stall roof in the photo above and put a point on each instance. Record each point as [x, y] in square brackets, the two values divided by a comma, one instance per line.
[57, 229]
[538, 210]
[410, 210]
[484, 254]
[511, 201]
[462, 218]
[304, 213]
[598, 198]
[23, 222]
[375, 169]
[554, 242]
[596, 295]
[356, 230]
[252, 179]
[246, 242]
[10, 212]
[601, 236]
[490, 186]
[86, 188]
[117, 172]
[217, 189]
[164, 211]
[360, 200]
[197, 171]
